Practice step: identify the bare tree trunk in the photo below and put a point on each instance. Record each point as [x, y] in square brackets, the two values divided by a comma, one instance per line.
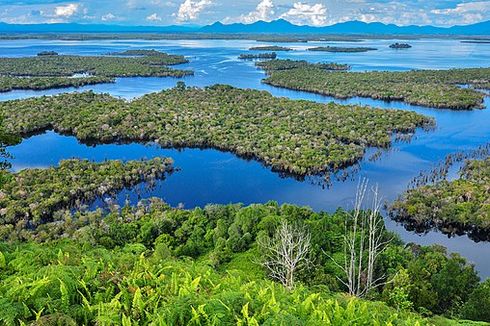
[364, 236]
[286, 253]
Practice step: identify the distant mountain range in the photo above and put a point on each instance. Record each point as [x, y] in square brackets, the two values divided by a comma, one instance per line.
[279, 26]
[351, 27]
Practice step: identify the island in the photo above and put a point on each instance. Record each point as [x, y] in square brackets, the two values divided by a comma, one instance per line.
[249, 56]
[341, 49]
[53, 71]
[400, 46]
[276, 65]
[44, 53]
[273, 48]
[295, 137]
[432, 88]
[454, 207]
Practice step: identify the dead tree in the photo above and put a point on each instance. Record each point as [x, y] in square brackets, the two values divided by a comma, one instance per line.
[364, 241]
[286, 253]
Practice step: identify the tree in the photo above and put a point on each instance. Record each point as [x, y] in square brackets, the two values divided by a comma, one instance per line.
[478, 305]
[364, 240]
[286, 253]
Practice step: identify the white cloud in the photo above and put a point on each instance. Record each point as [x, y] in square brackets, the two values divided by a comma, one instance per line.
[66, 10]
[466, 13]
[303, 13]
[190, 9]
[108, 17]
[154, 18]
[263, 11]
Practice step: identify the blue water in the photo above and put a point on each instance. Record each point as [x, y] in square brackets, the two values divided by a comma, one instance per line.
[210, 176]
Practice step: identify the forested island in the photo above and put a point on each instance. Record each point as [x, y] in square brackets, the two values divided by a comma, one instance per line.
[43, 53]
[455, 207]
[400, 46]
[433, 88]
[39, 83]
[341, 49]
[250, 56]
[288, 64]
[49, 70]
[273, 48]
[297, 137]
[106, 66]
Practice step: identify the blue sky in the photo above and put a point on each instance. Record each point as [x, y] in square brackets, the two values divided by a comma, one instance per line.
[200, 12]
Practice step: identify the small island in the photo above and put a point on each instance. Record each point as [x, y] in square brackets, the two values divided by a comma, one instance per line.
[400, 46]
[47, 53]
[273, 48]
[341, 49]
[246, 56]
[459, 206]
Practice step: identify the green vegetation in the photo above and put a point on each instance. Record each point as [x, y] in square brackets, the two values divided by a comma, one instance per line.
[457, 206]
[47, 53]
[433, 88]
[298, 137]
[288, 64]
[248, 56]
[31, 196]
[341, 49]
[155, 265]
[400, 46]
[39, 83]
[101, 66]
[273, 48]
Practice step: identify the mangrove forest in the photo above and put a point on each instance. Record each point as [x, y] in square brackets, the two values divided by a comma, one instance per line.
[297, 137]
[455, 207]
[433, 88]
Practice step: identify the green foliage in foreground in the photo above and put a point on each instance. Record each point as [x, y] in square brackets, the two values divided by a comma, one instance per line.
[153, 64]
[38, 83]
[155, 265]
[77, 284]
[31, 196]
[299, 137]
[454, 206]
[434, 88]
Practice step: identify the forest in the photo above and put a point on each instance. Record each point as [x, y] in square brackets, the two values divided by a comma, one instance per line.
[8, 83]
[296, 137]
[251, 56]
[272, 48]
[341, 49]
[151, 264]
[146, 64]
[455, 207]
[280, 64]
[433, 88]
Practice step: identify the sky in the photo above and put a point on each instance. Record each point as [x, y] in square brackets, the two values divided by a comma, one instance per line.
[203, 12]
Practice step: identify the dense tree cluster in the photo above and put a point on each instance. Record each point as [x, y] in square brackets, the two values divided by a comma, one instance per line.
[341, 49]
[287, 64]
[150, 64]
[135, 265]
[400, 46]
[273, 48]
[433, 88]
[39, 83]
[458, 206]
[251, 56]
[31, 196]
[298, 137]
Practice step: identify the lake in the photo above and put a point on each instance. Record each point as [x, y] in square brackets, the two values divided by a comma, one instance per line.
[210, 176]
